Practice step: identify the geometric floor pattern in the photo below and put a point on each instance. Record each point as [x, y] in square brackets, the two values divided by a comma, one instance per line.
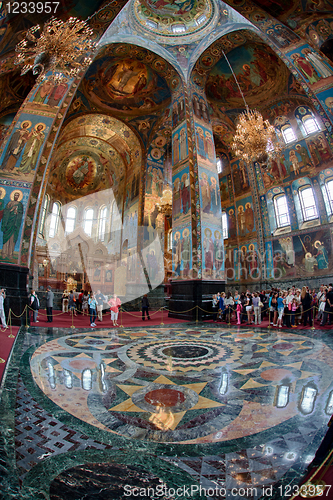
[194, 411]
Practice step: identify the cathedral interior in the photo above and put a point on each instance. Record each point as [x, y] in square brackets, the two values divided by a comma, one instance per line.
[121, 176]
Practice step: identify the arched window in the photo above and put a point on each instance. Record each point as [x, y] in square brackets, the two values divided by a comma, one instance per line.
[225, 225]
[281, 210]
[70, 220]
[310, 125]
[306, 120]
[329, 190]
[55, 216]
[288, 134]
[113, 213]
[102, 223]
[219, 165]
[88, 221]
[308, 204]
[45, 207]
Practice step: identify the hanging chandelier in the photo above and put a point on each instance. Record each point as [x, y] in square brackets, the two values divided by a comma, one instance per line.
[61, 47]
[255, 138]
[165, 205]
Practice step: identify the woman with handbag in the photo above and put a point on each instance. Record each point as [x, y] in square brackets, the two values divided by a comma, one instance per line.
[249, 308]
[256, 307]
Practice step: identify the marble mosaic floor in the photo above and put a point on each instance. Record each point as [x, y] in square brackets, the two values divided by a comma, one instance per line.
[192, 411]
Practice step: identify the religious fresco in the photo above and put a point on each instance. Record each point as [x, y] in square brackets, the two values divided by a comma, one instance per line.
[313, 68]
[320, 151]
[200, 108]
[269, 267]
[232, 222]
[181, 196]
[178, 111]
[182, 253]
[5, 122]
[179, 144]
[256, 68]
[225, 191]
[327, 101]
[248, 267]
[240, 177]
[13, 204]
[283, 258]
[205, 146]
[50, 93]
[313, 253]
[212, 253]
[125, 85]
[158, 16]
[24, 148]
[209, 196]
[319, 31]
[245, 217]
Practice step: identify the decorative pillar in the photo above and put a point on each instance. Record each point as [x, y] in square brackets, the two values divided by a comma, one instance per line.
[198, 254]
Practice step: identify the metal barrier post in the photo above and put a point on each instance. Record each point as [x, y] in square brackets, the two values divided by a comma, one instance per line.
[10, 336]
[72, 327]
[121, 317]
[313, 317]
[162, 316]
[269, 318]
[196, 315]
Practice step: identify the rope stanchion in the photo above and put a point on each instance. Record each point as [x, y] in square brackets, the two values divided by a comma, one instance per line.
[313, 317]
[197, 314]
[269, 319]
[162, 316]
[10, 336]
[72, 326]
[26, 317]
[121, 318]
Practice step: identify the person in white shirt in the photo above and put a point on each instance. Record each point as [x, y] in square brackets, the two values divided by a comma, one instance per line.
[2, 310]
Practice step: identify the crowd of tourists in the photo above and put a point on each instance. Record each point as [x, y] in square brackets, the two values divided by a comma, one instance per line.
[290, 308]
[91, 304]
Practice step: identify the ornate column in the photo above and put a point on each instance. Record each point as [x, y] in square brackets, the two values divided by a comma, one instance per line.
[196, 219]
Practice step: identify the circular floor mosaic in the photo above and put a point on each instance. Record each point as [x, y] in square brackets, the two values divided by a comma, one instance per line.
[185, 385]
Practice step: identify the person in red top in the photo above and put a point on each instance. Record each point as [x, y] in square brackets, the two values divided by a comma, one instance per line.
[114, 304]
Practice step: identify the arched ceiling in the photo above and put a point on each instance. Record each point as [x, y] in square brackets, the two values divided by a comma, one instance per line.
[259, 72]
[164, 16]
[94, 152]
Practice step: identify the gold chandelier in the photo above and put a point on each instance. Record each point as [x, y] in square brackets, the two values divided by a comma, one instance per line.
[61, 47]
[255, 138]
[165, 205]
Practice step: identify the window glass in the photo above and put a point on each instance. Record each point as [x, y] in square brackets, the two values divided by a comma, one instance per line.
[102, 224]
[88, 221]
[43, 215]
[308, 204]
[54, 219]
[218, 164]
[310, 125]
[288, 135]
[329, 189]
[281, 211]
[225, 225]
[70, 220]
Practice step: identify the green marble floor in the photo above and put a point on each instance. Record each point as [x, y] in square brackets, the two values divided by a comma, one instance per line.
[195, 411]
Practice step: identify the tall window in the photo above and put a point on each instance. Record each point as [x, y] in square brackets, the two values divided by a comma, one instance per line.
[329, 189]
[102, 223]
[308, 204]
[70, 220]
[218, 164]
[88, 221]
[310, 125]
[288, 134]
[54, 222]
[43, 215]
[225, 225]
[281, 211]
